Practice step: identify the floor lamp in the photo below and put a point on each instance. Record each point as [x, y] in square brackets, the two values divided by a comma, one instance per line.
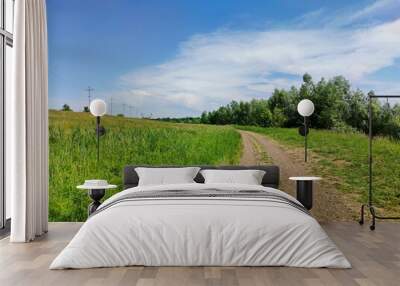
[98, 108]
[305, 109]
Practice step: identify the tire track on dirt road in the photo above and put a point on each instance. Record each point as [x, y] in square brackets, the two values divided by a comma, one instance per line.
[329, 203]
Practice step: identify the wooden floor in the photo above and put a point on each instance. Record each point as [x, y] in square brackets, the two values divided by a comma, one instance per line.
[375, 257]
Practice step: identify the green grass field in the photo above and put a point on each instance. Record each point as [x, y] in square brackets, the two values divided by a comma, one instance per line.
[345, 156]
[127, 141]
[137, 141]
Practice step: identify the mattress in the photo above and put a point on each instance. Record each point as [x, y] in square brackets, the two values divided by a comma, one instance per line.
[201, 225]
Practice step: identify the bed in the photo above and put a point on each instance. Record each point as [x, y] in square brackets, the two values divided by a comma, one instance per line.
[201, 224]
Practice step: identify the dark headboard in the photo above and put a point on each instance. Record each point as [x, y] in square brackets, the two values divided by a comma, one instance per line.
[271, 177]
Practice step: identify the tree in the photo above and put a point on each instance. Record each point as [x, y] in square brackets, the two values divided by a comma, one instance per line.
[307, 87]
[278, 118]
[261, 115]
[204, 118]
[356, 111]
[86, 109]
[281, 102]
[336, 107]
[66, 107]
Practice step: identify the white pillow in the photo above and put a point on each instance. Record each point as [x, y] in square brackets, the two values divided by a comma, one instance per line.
[166, 176]
[248, 177]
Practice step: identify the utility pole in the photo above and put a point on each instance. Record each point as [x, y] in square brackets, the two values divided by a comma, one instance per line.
[123, 109]
[111, 105]
[130, 110]
[89, 90]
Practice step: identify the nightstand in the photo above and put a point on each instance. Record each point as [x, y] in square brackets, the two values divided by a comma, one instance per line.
[304, 190]
[96, 193]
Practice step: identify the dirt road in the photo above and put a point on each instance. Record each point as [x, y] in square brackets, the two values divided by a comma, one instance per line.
[329, 204]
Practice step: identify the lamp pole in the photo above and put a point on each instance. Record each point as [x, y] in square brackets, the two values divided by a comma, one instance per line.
[305, 138]
[98, 108]
[98, 137]
[305, 109]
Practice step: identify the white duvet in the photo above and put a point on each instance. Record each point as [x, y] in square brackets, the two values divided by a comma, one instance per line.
[200, 231]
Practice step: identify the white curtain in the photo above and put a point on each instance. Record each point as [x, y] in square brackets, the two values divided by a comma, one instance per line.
[27, 123]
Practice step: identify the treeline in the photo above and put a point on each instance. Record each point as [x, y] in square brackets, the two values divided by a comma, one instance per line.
[337, 106]
[192, 120]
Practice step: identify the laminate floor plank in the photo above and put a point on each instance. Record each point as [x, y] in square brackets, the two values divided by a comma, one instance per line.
[375, 257]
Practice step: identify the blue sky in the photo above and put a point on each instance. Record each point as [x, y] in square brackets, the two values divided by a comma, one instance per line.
[178, 58]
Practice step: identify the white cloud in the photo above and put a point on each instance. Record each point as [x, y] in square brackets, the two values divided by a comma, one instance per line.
[378, 11]
[378, 7]
[382, 86]
[212, 69]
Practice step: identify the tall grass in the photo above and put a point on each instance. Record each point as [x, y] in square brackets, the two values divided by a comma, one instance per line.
[345, 156]
[127, 141]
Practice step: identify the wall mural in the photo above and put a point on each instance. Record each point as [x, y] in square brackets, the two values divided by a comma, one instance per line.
[186, 85]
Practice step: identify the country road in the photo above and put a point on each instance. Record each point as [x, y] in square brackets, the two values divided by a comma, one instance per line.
[329, 204]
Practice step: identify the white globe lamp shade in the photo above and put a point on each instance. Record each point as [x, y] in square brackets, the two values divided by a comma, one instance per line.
[98, 107]
[305, 107]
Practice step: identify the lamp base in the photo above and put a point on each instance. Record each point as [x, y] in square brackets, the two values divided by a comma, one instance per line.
[96, 195]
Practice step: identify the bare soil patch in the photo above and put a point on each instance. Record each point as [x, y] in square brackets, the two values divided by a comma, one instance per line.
[329, 203]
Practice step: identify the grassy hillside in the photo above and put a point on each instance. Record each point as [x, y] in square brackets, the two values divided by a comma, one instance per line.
[345, 156]
[127, 141]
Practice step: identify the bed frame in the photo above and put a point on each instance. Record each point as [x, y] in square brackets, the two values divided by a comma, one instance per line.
[270, 179]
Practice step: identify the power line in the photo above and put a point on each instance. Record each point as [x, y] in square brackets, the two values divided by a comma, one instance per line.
[89, 90]
[130, 110]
